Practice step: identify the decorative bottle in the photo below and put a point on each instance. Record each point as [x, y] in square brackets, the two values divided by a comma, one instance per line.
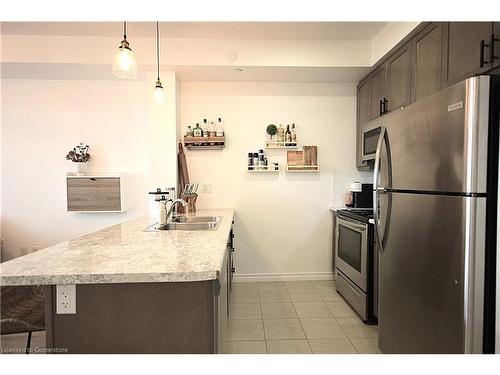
[281, 134]
[294, 134]
[220, 128]
[205, 128]
[288, 136]
[197, 131]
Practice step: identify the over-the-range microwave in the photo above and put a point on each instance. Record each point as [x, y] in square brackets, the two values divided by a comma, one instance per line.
[369, 140]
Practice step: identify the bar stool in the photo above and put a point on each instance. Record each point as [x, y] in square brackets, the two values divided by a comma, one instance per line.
[22, 310]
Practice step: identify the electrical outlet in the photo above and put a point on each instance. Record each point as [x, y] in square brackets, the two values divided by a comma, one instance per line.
[207, 188]
[66, 299]
[23, 250]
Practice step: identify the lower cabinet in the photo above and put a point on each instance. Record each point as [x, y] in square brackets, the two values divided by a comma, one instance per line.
[222, 305]
[224, 297]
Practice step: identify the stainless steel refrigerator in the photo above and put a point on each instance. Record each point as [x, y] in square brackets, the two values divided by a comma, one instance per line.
[435, 195]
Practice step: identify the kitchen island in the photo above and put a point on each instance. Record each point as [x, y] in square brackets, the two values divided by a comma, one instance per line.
[137, 291]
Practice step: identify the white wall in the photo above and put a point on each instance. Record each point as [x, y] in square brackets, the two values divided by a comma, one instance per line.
[283, 223]
[43, 119]
[388, 37]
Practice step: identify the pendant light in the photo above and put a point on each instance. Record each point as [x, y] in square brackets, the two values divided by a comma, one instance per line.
[159, 94]
[124, 65]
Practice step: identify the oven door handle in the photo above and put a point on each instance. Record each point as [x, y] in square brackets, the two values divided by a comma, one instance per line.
[351, 224]
[378, 190]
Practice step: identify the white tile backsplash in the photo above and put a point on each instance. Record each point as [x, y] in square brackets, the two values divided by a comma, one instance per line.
[341, 180]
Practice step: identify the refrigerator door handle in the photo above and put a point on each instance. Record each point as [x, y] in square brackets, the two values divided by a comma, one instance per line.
[378, 190]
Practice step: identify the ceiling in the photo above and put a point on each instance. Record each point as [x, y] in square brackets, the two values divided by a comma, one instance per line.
[205, 30]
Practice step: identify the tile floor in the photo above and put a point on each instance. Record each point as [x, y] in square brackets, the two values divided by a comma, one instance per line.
[295, 317]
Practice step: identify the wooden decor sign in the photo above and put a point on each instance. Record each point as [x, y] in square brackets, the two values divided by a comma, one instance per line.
[295, 157]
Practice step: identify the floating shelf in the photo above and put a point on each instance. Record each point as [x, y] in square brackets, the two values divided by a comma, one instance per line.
[204, 143]
[262, 169]
[302, 168]
[281, 145]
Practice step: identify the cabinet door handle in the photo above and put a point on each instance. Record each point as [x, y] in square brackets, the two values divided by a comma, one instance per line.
[492, 44]
[381, 107]
[482, 46]
[385, 102]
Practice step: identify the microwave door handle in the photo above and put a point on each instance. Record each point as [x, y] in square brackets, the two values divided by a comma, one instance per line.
[378, 190]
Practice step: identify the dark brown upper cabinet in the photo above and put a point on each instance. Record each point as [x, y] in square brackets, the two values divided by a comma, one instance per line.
[378, 89]
[466, 50]
[363, 116]
[496, 44]
[364, 102]
[433, 56]
[398, 79]
[427, 61]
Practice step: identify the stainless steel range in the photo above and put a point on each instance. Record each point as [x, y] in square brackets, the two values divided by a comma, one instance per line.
[355, 261]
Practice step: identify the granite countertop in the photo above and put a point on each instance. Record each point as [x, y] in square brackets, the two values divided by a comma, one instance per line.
[125, 253]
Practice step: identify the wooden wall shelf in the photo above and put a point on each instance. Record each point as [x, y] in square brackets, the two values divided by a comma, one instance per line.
[204, 143]
[281, 145]
[263, 169]
[302, 168]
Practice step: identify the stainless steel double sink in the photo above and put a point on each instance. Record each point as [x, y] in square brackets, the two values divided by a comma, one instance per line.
[189, 223]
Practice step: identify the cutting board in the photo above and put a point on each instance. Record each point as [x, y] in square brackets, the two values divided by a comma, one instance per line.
[295, 157]
[310, 155]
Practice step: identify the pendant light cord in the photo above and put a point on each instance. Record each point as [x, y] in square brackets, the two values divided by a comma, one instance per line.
[158, 49]
[124, 30]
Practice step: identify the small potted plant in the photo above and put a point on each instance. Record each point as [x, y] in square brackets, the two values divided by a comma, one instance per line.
[79, 155]
[271, 130]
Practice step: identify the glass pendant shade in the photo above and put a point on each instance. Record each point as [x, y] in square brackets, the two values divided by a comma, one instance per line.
[124, 64]
[159, 94]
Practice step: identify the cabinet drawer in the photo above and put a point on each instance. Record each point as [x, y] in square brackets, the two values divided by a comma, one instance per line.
[94, 194]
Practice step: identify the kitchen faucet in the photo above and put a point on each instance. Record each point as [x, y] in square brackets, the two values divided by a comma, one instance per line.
[171, 210]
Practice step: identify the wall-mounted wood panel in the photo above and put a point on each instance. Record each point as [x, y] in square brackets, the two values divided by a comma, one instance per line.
[93, 194]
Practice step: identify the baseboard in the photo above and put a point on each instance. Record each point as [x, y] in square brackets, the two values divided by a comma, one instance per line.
[294, 276]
